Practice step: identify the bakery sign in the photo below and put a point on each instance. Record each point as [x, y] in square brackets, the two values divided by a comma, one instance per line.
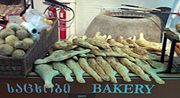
[96, 88]
[33, 87]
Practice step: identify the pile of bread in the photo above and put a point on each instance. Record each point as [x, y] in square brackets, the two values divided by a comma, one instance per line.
[101, 57]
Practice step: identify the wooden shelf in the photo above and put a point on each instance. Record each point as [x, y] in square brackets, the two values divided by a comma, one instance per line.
[162, 75]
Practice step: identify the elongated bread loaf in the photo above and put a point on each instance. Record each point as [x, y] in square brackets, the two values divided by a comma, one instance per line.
[78, 72]
[84, 65]
[134, 68]
[95, 66]
[121, 69]
[107, 68]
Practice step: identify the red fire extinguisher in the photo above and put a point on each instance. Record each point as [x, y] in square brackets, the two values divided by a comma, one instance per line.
[52, 12]
[62, 16]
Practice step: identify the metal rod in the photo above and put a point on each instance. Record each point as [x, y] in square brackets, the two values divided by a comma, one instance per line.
[128, 5]
[32, 4]
[163, 49]
[25, 4]
[130, 9]
[171, 57]
[135, 6]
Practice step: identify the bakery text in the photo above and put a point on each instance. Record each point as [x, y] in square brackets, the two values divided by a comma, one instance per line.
[123, 88]
[36, 88]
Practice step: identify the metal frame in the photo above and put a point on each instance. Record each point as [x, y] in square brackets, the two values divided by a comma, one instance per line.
[32, 4]
[174, 38]
[26, 5]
